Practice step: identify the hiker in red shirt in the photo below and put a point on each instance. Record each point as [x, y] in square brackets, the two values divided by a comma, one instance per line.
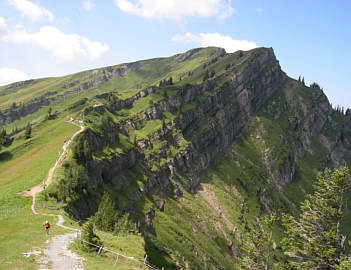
[47, 227]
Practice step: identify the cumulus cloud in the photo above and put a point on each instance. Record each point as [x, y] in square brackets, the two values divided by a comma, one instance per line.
[88, 5]
[217, 40]
[64, 47]
[32, 11]
[3, 26]
[10, 75]
[176, 9]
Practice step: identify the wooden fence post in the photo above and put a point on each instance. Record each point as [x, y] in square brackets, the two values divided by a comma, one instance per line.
[99, 251]
[144, 261]
[116, 260]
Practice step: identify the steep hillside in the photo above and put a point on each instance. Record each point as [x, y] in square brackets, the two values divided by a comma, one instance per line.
[192, 148]
[27, 101]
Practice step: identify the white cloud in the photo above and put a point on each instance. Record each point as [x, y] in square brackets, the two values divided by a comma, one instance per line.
[88, 5]
[259, 10]
[10, 75]
[32, 11]
[176, 9]
[65, 47]
[217, 40]
[227, 12]
[3, 26]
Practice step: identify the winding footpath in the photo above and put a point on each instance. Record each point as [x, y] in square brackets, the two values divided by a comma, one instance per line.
[57, 254]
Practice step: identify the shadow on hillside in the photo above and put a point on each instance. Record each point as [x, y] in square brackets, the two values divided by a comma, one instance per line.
[156, 256]
[4, 156]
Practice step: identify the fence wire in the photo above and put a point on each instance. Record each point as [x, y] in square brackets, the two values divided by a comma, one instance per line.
[119, 256]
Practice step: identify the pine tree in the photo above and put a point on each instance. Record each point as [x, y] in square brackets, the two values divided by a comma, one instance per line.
[258, 249]
[49, 115]
[106, 215]
[313, 240]
[4, 139]
[89, 236]
[135, 142]
[125, 225]
[81, 151]
[28, 131]
[303, 81]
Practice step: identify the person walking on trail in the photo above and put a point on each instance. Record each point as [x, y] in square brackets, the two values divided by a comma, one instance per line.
[47, 227]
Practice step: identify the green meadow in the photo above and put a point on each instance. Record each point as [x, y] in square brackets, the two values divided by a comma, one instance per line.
[23, 165]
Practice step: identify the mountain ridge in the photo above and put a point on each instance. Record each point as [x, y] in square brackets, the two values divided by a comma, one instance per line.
[193, 160]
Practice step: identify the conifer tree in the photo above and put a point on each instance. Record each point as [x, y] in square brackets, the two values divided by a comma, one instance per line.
[4, 139]
[89, 236]
[125, 225]
[313, 240]
[81, 151]
[28, 131]
[135, 142]
[106, 215]
[258, 249]
[49, 115]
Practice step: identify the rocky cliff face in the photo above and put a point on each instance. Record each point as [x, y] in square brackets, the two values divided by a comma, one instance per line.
[208, 126]
[307, 120]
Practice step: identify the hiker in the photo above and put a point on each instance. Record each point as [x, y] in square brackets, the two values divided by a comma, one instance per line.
[47, 227]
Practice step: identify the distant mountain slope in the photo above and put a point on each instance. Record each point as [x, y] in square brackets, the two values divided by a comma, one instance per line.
[28, 101]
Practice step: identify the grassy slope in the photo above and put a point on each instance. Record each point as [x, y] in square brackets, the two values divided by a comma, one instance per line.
[128, 245]
[24, 164]
[23, 232]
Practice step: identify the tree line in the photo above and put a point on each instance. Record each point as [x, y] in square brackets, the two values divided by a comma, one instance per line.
[313, 239]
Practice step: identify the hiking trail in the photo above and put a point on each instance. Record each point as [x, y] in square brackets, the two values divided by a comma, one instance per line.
[57, 254]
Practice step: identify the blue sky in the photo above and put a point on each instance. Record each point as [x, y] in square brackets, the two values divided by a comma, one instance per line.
[51, 38]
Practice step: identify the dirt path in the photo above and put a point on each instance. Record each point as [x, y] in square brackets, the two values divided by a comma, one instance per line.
[40, 187]
[59, 257]
[57, 254]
